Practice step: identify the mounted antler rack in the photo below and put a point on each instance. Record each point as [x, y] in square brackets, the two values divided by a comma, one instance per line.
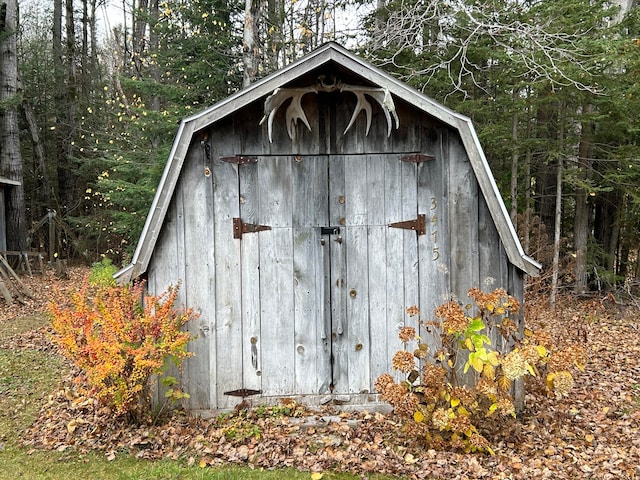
[295, 112]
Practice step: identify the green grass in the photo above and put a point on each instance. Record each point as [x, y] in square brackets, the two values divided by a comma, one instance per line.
[56, 466]
[27, 377]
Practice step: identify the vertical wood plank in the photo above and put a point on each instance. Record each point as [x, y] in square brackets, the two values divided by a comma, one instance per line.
[250, 273]
[310, 211]
[164, 267]
[433, 201]
[228, 290]
[394, 256]
[194, 247]
[276, 276]
[358, 345]
[410, 240]
[376, 239]
[492, 260]
[463, 218]
[337, 268]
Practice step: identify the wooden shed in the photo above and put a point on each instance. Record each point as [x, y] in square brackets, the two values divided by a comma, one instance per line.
[5, 185]
[304, 214]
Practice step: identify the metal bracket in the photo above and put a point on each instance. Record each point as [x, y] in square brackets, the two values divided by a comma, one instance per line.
[240, 228]
[419, 225]
[417, 158]
[329, 230]
[243, 392]
[239, 159]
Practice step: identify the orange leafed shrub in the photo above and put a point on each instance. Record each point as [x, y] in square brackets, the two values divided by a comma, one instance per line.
[120, 337]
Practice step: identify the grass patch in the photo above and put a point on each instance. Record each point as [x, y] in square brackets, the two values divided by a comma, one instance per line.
[19, 325]
[26, 378]
[54, 466]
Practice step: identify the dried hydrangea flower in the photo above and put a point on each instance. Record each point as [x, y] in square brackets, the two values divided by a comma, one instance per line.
[440, 418]
[454, 319]
[514, 365]
[562, 382]
[407, 334]
[403, 361]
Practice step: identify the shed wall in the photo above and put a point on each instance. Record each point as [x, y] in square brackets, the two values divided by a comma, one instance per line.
[256, 314]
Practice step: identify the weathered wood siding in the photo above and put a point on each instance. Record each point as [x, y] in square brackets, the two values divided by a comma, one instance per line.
[289, 310]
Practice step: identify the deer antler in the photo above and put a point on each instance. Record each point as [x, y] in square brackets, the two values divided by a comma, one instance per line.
[380, 95]
[294, 111]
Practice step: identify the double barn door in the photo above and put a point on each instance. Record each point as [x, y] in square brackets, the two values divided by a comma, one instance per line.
[328, 253]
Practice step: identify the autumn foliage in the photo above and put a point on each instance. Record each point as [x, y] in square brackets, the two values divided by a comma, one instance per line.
[441, 406]
[120, 337]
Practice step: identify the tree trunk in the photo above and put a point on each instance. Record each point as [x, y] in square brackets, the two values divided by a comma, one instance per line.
[250, 50]
[67, 127]
[514, 164]
[275, 34]
[41, 171]
[557, 232]
[556, 236]
[582, 209]
[10, 159]
[140, 16]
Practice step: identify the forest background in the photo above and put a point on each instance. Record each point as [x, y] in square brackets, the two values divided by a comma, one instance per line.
[92, 91]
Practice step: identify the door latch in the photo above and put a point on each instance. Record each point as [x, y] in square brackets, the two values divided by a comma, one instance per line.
[329, 230]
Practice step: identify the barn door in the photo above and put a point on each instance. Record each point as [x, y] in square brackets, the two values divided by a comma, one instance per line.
[373, 264]
[326, 276]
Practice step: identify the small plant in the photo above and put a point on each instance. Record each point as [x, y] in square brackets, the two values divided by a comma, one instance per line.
[439, 409]
[121, 338]
[101, 274]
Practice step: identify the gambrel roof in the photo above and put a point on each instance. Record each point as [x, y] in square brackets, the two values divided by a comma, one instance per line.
[330, 52]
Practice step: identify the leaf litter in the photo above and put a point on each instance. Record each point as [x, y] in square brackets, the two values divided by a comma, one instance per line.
[594, 433]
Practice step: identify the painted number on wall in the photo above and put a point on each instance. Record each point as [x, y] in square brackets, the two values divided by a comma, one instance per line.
[434, 233]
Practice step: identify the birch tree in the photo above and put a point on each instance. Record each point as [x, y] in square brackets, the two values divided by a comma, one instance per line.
[10, 158]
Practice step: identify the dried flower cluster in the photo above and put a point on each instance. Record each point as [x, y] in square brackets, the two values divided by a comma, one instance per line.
[514, 365]
[454, 319]
[403, 361]
[407, 334]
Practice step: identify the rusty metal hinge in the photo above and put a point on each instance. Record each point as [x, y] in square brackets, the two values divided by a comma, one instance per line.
[419, 224]
[240, 228]
[243, 392]
[417, 158]
[239, 159]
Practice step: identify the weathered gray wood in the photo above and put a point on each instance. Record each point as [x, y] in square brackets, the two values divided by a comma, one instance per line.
[463, 230]
[227, 341]
[311, 363]
[250, 273]
[463, 220]
[337, 279]
[409, 205]
[492, 261]
[164, 270]
[435, 265]
[310, 212]
[193, 247]
[379, 330]
[394, 256]
[276, 276]
[357, 278]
